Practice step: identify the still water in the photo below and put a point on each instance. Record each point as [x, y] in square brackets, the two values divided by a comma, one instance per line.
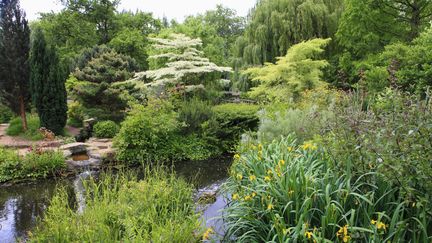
[21, 205]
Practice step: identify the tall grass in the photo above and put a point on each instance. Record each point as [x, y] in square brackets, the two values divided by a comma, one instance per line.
[36, 164]
[15, 128]
[119, 208]
[285, 192]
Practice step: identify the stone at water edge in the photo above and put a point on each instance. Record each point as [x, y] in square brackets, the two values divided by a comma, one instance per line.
[208, 197]
[75, 148]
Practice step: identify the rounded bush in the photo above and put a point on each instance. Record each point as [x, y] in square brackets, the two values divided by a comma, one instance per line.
[106, 129]
[149, 134]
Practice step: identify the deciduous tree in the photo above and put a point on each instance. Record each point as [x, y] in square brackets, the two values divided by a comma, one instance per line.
[276, 25]
[299, 70]
[182, 62]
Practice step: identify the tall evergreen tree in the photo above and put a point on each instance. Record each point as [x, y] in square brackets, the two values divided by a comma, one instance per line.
[47, 82]
[14, 54]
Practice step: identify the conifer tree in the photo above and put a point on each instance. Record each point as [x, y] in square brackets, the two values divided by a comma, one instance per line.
[14, 53]
[47, 84]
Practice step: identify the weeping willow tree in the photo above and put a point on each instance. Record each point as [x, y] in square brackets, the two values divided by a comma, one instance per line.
[181, 63]
[276, 25]
[298, 71]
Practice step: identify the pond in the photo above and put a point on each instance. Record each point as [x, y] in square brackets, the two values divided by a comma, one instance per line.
[21, 205]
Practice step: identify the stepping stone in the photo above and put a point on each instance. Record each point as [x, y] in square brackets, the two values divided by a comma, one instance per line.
[75, 148]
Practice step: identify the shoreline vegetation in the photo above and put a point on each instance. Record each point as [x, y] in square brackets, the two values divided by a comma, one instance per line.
[36, 164]
[120, 207]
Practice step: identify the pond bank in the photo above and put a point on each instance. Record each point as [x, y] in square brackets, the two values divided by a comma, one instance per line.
[21, 205]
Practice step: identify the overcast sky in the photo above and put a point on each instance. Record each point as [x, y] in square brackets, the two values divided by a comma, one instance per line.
[172, 9]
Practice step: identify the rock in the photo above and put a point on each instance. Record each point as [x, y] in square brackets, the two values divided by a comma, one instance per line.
[67, 153]
[87, 130]
[208, 198]
[91, 163]
[89, 122]
[101, 140]
[75, 148]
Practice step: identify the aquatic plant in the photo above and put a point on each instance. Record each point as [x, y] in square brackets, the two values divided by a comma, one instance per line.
[121, 208]
[284, 191]
[35, 164]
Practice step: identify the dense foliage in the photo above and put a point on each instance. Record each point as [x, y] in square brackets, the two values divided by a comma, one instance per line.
[32, 133]
[153, 133]
[284, 191]
[6, 114]
[84, 24]
[106, 129]
[218, 29]
[230, 121]
[92, 84]
[36, 164]
[390, 137]
[276, 25]
[181, 63]
[328, 107]
[364, 175]
[148, 134]
[292, 74]
[14, 54]
[122, 208]
[102, 64]
[47, 84]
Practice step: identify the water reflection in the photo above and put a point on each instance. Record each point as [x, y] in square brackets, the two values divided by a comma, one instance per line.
[204, 173]
[21, 205]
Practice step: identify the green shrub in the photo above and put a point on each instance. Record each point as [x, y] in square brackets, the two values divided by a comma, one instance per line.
[230, 121]
[195, 147]
[102, 64]
[75, 114]
[106, 129]
[148, 133]
[391, 136]
[9, 165]
[286, 192]
[6, 114]
[153, 133]
[305, 124]
[121, 209]
[194, 113]
[102, 101]
[36, 164]
[15, 128]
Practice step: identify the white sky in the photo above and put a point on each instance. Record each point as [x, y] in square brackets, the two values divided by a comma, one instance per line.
[172, 9]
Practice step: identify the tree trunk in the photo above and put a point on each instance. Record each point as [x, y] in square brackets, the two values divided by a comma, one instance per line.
[415, 21]
[23, 113]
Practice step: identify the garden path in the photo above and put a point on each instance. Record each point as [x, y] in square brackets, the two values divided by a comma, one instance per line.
[22, 144]
[102, 147]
